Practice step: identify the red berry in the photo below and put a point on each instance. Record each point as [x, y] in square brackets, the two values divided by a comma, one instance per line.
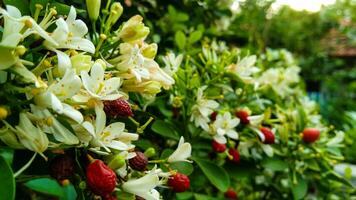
[62, 167]
[118, 108]
[139, 162]
[218, 147]
[109, 197]
[310, 135]
[230, 194]
[243, 116]
[213, 116]
[179, 182]
[269, 135]
[100, 178]
[235, 155]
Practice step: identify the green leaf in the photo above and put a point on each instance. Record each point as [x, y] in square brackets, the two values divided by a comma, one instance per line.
[46, 186]
[22, 5]
[195, 36]
[7, 154]
[300, 190]
[216, 174]
[124, 195]
[184, 195]
[180, 39]
[164, 129]
[69, 193]
[7, 181]
[182, 167]
[275, 164]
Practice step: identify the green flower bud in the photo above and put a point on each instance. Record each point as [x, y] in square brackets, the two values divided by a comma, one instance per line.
[116, 10]
[93, 7]
[150, 152]
[81, 62]
[117, 162]
[150, 51]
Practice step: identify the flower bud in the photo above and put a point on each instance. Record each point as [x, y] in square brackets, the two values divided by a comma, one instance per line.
[93, 7]
[81, 62]
[134, 29]
[149, 51]
[147, 87]
[3, 113]
[8, 137]
[150, 152]
[117, 162]
[116, 10]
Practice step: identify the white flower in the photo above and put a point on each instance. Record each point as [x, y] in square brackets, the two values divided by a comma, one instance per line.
[131, 63]
[143, 187]
[245, 68]
[122, 171]
[202, 109]
[32, 137]
[172, 63]
[223, 126]
[157, 74]
[112, 136]
[70, 34]
[255, 120]
[49, 124]
[98, 87]
[183, 151]
[16, 28]
[59, 91]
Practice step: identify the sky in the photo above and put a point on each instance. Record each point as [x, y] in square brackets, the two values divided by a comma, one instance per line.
[310, 5]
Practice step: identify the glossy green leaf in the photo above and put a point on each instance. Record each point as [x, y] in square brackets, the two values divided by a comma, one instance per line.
[182, 167]
[180, 39]
[46, 186]
[69, 193]
[164, 129]
[7, 181]
[300, 189]
[216, 174]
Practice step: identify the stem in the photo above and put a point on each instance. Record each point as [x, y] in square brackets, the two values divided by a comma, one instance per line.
[25, 166]
[143, 127]
[157, 161]
[134, 121]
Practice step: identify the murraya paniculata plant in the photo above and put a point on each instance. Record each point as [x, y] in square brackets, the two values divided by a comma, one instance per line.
[71, 95]
[87, 112]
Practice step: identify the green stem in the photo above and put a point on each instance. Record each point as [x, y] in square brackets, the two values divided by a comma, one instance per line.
[157, 161]
[25, 166]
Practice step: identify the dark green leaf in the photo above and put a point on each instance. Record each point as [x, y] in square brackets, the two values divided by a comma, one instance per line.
[22, 5]
[216, 174]
[7, 181]
[164, 129]
[184, 195]
[182, 167]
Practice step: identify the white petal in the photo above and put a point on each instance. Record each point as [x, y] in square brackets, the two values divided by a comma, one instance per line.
[72, 113]
[232, 134]
[100, 120]
[183, 152]
[64, 62]
[220, 139]
[118, 145]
